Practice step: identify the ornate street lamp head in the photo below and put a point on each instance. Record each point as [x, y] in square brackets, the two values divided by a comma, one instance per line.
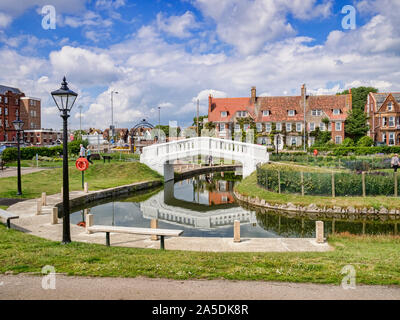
[64, 97]
[18, 124]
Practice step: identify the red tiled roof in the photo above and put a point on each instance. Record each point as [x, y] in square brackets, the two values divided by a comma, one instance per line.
[278, 107]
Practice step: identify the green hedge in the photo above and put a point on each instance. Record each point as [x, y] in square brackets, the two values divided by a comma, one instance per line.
[28, 153]
[344, 151]
[319, 183]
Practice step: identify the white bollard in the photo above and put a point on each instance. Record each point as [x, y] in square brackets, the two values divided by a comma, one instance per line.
[44, 199]
[236, 231]
[89, 222]
[319, 231]
[39, 207]
[54, 216]
[86, 187]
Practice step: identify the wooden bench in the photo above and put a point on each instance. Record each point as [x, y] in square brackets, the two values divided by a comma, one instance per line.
[7, 216]
[143, 231]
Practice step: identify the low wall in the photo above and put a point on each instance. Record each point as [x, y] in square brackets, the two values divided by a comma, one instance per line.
[108, 193]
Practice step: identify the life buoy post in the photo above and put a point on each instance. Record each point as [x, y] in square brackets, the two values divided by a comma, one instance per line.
[82, 164]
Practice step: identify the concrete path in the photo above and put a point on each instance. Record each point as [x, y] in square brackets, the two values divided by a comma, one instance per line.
[12, 171]
[82, 288]
[40, 225]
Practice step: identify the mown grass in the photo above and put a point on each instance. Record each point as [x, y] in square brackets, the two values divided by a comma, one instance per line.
[249, 187]
[3, 207]
[375, 259]
[99, 176]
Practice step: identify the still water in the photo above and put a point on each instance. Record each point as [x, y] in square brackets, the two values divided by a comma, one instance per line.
[204, 206]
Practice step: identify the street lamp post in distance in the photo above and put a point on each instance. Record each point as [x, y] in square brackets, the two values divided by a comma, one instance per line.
[18, 124]
[65, 99]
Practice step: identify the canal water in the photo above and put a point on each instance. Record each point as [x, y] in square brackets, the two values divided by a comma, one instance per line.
[204, 206]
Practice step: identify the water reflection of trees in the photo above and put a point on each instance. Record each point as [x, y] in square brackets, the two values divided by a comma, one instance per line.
[286, 226]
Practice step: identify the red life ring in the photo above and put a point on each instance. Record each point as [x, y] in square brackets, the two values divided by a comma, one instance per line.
[82, 164]
[82, 224]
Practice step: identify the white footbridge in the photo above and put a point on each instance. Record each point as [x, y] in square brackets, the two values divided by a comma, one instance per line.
[160, 157]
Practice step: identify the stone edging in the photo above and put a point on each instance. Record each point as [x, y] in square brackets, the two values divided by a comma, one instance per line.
[94, 196]
[313, 208]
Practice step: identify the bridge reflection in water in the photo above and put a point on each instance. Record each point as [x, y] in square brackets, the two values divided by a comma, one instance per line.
[200, 202]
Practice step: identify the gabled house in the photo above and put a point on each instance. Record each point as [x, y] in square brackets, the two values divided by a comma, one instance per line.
[383, 110]
[280, 120]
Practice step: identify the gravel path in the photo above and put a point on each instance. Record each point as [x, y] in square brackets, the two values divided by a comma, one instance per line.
[84, 288]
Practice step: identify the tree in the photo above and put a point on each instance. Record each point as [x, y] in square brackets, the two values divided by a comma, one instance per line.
[201, 118]
[365, 142]
[356, 125]
[359, 96]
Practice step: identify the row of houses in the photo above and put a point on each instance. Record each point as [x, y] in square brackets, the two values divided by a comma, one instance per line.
[279, 121]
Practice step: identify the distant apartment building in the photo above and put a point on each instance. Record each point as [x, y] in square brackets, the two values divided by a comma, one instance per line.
[14, 104]
[383, 110]
[284, 115]
[42, 137]
[31, 113]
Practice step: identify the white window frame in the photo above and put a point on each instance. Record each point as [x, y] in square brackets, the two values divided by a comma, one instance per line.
[392, 121]
[237, 127]
[336, 139]
[316, 112]
[322, 126]
[384, 140]
[268, 127]
[293, 139]
[266, 113]
[291, 113]
[259, 126]
[391, 134]
[390, 106]
[299, 126]
[288, 127]
[312, 126]
[383, 121]
[224, 114]
[336, 126]
[246, 126]
[279, 126]
[336, 112]
[6, 111]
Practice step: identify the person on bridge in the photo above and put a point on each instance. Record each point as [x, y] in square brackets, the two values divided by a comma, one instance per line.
[88, 155]
[210, 160]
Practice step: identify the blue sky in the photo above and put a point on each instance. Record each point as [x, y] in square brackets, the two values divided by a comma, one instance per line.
[168, 54]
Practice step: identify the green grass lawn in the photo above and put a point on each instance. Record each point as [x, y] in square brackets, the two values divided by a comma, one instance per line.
[3, 207]
[99, 176]
[249, 187]
[376, 260]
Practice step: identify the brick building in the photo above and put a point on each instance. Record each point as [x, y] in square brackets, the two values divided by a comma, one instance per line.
[42, 137]
[383, 110]
[13, 103]
[285, 115]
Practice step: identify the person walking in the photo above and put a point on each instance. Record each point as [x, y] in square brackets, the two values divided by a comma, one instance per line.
[88, 155]
[395, 162]
[82, 151]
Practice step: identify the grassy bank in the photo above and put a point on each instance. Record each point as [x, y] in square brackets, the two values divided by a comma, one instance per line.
[99, 176]
[376, 260]
[249, 187]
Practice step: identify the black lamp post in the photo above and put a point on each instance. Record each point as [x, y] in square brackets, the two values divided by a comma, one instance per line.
[65, 99]
[18, 124]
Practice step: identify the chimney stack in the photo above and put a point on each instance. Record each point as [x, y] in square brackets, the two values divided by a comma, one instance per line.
[303, 91]
[209, 103]
[253, 95]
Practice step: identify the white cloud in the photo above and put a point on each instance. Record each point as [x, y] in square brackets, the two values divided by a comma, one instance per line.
[177, 26]
[5, 20]
[250, 24]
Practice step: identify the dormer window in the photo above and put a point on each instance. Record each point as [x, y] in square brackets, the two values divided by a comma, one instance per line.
[241, 114]
[336, 112]
[224, 114]
[316, 112]
[390, 106]
[291, 113]
[266, 113]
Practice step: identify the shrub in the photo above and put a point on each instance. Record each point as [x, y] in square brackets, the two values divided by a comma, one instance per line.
[365, 142]
[28, 153]
[348, 142]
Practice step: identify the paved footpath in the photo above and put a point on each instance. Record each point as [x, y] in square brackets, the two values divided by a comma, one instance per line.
[28, 287]
[12, 171]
